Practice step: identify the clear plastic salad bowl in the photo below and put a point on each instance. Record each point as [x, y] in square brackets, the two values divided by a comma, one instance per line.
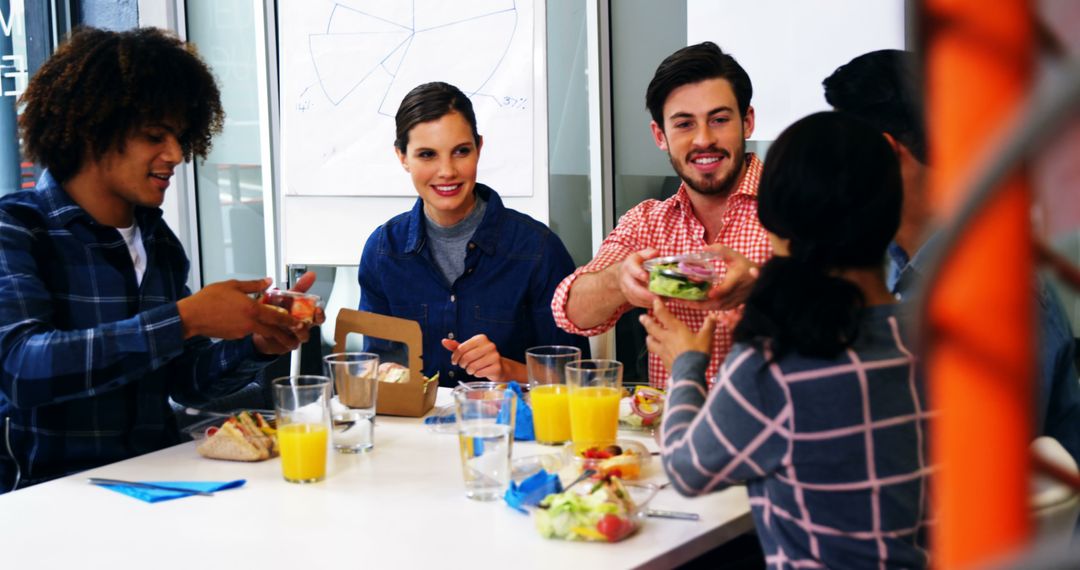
[687, 276]
[608, 510]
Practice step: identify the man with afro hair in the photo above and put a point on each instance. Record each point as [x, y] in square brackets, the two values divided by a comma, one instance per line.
[97, 326]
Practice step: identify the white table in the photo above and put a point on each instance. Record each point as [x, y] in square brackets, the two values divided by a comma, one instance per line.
[399, 506]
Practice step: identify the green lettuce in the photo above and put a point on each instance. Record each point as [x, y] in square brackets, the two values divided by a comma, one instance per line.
[678, 287]
[571, 516]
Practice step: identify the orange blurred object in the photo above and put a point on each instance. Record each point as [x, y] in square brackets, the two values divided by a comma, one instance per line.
[980, 351]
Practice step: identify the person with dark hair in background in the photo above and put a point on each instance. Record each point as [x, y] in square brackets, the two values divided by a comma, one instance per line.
[97, 326]
[882, 89]
[699, 99]
[476, 275]
[819, 408]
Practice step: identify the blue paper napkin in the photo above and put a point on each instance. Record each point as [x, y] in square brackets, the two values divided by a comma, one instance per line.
[156, 495]
[532, 490]
[442, 420]
[523, 421]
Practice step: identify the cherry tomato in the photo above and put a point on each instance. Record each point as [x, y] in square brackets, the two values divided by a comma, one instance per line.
[613, 527]
[596, 453]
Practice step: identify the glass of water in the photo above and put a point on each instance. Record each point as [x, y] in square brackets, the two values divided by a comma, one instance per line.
[355, 378]
[485, 418]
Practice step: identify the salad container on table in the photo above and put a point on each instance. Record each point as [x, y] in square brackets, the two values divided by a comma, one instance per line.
[608, 510]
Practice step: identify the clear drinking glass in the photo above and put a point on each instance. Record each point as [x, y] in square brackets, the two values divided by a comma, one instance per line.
[548, 392]
[595, 390]
[302, 404]
[485, 418]
[355, 378]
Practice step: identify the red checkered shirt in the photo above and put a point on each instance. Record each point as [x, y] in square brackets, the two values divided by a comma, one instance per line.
[671, 228]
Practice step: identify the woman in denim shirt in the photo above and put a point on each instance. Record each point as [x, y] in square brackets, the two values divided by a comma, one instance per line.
[477, 276]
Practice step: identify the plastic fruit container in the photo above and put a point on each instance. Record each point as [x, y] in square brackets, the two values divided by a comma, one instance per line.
[643, 409]
[626, 459]
[300, 305]
[686, 277]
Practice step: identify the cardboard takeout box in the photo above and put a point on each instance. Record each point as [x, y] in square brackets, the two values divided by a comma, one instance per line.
[412, 399]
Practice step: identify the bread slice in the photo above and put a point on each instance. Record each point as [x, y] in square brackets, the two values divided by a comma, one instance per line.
[393, 372]
[229, 443]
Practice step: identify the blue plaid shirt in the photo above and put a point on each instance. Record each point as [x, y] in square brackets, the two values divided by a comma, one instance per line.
[89, 357]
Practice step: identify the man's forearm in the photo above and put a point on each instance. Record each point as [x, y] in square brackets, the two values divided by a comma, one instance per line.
[594, 297]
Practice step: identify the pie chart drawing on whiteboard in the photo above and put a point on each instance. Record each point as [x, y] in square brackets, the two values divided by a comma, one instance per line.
[464, 41]
[345, 66]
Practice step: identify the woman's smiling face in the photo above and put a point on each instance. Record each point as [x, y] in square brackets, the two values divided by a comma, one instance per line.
[441, 157]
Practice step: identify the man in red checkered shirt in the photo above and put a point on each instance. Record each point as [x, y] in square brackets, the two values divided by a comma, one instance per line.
[699, 100]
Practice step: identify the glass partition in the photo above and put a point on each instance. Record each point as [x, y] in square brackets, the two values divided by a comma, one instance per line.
[229, 185]
[568, 127]
[26, 39]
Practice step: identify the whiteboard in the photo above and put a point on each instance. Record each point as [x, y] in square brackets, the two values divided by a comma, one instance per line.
[345, 65]
[789, 46]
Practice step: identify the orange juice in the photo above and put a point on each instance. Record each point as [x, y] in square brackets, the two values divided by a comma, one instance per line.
[594, 416]
[303, 452]
[551, 413]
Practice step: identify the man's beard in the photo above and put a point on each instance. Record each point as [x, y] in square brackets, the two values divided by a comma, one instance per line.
[722, 186]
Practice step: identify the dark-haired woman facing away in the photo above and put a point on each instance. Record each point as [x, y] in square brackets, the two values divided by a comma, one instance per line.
[819, 407]
[476, 275]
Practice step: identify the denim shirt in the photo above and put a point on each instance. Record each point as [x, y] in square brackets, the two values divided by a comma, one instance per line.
[1058, 395]
[512, 265]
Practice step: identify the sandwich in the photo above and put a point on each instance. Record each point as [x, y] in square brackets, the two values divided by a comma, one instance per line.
[393, 372]
[243, 437]
[396, 373]
[260, 431]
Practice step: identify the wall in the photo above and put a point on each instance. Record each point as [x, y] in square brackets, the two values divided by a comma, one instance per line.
[110, 14]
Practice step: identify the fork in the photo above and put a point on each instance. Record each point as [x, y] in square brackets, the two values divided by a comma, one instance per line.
[658, 513]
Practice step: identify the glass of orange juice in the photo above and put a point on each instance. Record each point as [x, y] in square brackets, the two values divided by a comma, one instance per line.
[302, 404]
[595, 388]
[548, 392]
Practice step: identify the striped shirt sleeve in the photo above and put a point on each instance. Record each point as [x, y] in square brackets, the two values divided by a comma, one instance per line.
[736, 432]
